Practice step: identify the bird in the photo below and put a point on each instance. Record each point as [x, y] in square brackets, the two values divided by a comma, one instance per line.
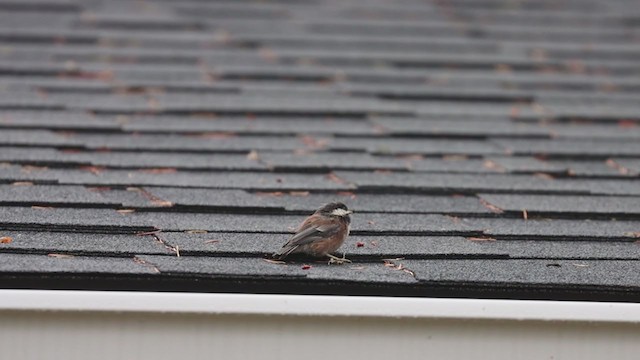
[320, 234]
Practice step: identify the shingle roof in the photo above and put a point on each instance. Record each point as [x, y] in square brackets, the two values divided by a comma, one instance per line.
[489, 148]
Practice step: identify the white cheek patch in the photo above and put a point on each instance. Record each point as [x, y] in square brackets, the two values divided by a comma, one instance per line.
[339, 212]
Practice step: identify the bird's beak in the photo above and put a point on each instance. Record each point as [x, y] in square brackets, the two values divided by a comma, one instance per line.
[349, 212]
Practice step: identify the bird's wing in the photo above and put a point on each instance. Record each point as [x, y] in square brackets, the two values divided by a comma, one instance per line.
[311, 230]
[312, 233]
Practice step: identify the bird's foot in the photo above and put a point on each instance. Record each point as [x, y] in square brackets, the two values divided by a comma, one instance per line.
[337, 260]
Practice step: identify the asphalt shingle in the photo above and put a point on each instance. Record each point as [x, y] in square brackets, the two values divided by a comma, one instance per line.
[95, 176]
[259, 269]
[524, 165]
[544, 204]
[35, 138]
[574, 148]
[526, 273]
[543, 229]
[52, 195]
[416, 146]
[357, 246]
[134, 160]
[201, 143]
[459, 183]
[71, 265]
[248, 126]
[80, 243]
[331, 161]
[462, 128]
[128, 221]
[61, 120]
[629, 166]
[494, 149]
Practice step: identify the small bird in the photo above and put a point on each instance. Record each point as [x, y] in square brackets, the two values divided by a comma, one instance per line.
[320, 234]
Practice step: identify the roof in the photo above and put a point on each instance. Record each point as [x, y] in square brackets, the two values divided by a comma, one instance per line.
[489, 148]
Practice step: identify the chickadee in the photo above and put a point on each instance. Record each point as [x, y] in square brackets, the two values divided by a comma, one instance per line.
[320, 234]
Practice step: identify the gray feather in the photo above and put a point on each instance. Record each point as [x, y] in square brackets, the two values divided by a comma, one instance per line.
[306, 236]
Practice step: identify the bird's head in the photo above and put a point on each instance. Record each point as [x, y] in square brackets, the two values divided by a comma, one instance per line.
[336, 209]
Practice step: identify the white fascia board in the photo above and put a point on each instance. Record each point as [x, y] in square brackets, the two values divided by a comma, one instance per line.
[314, 305]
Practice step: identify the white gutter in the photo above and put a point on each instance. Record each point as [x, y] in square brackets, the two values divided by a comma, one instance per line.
[314, 305]
[80, 325]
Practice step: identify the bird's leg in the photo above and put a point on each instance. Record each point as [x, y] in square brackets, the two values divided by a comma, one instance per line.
[337, 260]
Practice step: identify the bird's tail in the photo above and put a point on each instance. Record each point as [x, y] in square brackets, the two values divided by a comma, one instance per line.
[284, 252]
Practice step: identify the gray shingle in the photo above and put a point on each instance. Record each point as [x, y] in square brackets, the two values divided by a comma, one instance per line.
[235, 11]
[587, 168]
[52, 195]
[260, 269]
[309, 202]
[553, 204]
[304, 73]
[458, 109]
[35, 138]
[25, 98]
[13, 173]
[383, 203]
[331, 161]
[171, 103]
[595, 132]
[43, 6]
[250, 181]
[46, 83]
[229, 162]
[372, 223]
[211, 199]
[364, 43]
[578, 250]
[567, 34]
[416, 146]
[450, 164]
[530, 273]
[129, 198]
[573, 130]
[63, 120]
[224, 243]
[462, 128]
[576, 148]
[601, 230]
[632, 166]
[430, 60]
[522, 164]
[249, 126]
[162, 177]
[88, 101]
[459, 183]
[240, 119]
[355, 246]
[43, 35]
[480, 95]
[73, 266]
[586, 111]
[148, 55]
[324, 161]
[601, 51]
[112, 221]
[205, 142]
[376, 29]
[81, 243]
[611, 187]
[52, 219]
[40, 156]
[274, 105]
[137, 21]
